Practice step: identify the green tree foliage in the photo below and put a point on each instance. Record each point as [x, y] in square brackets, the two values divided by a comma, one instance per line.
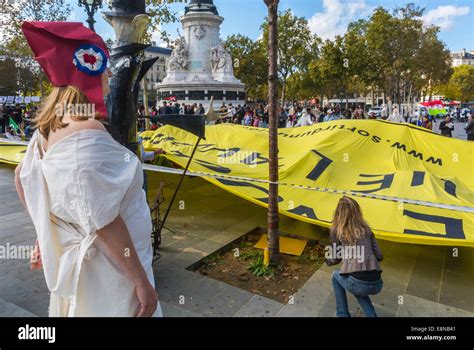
[331, 69]
[392, 53]
[433, 61]
[8, 84]
[461, 84]
[27, 75]
[160, 13]
[302, 86]
[297, 46]
[403, 54]
[16, 12]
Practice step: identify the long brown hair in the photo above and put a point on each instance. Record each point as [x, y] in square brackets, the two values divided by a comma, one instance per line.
[348, 224]
[48, 119]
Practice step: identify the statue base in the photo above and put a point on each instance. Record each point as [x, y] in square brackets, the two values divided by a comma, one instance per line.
[189, 93]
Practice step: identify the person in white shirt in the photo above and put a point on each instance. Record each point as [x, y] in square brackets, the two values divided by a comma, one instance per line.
[149, 156]
[384, 112]
[10, 134]
[330, 116]
[395, 116]
[231, 112]
[305, 119]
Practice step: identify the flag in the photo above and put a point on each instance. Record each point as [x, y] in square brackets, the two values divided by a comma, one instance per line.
[211, 114]
[194, 124]
[15, 126]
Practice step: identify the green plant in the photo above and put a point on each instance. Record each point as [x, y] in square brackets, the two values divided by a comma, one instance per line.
[212, 259]
[258, 268]
[304, 258]
[245, 244]
[251, 254]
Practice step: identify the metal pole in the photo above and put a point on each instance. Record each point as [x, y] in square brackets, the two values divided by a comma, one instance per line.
[179, 184]
[91, 22]
[90, 9]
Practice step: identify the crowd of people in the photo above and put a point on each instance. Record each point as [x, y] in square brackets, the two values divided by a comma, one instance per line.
[294, 114]
[16, 120]
[168, 108]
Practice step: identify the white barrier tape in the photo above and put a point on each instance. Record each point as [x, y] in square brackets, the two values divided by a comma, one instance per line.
[317, 189]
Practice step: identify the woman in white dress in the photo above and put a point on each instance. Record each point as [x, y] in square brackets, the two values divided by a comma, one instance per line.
[83, 191]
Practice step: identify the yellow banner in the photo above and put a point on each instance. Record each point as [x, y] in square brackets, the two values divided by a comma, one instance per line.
[414, 186]
[11, 153]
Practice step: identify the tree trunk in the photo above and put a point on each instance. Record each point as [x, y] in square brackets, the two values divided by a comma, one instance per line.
[273, 218]
[410, 91]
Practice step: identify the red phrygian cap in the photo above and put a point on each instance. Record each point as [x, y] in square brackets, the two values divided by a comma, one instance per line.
[70, 54]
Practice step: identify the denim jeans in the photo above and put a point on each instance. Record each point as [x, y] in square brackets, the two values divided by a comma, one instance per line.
[360, 289]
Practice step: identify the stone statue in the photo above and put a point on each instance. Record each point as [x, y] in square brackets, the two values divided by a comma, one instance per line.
[178, 60]
[129, 31]
[129, 21]
[220, 60]
[200, 32]
[209, 67]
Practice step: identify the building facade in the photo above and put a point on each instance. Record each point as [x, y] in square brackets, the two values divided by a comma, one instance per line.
[157, 73]
[462, 57]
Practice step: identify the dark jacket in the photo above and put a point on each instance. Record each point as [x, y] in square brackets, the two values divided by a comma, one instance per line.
[370, 255]
[470, 128]
[445, 130]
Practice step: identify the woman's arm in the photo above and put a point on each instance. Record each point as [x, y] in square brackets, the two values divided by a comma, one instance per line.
[35, 259]
[332, 259]
[120, 248]
[19, 187]
[375, 247]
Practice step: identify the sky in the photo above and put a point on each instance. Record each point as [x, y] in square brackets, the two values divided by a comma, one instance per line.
[326, 18]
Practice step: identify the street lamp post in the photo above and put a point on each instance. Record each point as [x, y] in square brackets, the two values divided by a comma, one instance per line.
[91, 8]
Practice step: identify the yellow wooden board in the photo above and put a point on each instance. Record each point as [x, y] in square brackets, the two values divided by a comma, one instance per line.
[289, 246]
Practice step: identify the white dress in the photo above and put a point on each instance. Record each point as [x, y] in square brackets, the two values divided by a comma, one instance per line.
[79, 186]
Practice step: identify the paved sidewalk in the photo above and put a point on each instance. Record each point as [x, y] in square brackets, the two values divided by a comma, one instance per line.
[419, 280]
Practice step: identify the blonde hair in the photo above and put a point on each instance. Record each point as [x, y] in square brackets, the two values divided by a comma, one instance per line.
[48, 119]
[348, 224]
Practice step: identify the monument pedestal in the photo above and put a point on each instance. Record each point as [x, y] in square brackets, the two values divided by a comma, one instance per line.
[199, 67]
